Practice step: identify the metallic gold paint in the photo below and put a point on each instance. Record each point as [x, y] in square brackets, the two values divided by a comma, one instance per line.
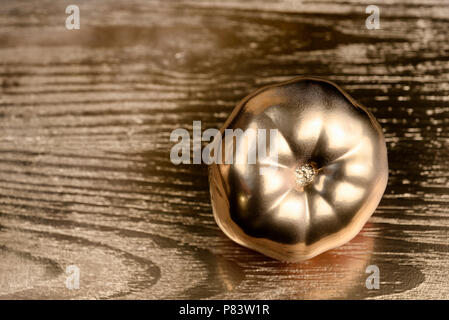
[319, 125]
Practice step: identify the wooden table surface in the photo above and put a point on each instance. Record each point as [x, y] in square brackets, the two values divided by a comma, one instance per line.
[85, 121]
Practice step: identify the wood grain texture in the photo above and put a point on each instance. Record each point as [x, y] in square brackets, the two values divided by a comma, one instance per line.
[85, 121]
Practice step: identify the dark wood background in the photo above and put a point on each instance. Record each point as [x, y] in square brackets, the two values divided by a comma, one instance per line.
[85, 120]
